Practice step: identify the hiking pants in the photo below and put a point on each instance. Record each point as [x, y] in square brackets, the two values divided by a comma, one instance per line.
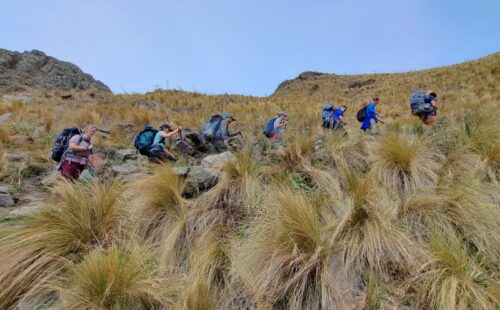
[71, 170]
[160, 155]
[373, 129]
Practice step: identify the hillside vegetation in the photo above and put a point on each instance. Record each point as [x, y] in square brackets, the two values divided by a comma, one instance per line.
[408, 219]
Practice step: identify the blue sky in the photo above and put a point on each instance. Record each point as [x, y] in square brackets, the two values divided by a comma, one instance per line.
[247, 46]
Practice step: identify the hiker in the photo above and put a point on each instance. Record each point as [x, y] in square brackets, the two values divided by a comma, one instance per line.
[221, 133]
[423, 104]
[279, 126]
[157, 152]
[78, 156]
[328, 116]
[338, 118]
[372, 117]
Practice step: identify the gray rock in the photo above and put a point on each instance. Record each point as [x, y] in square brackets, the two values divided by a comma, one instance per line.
[15, 157]
[128, 154]
[128, 167]
[216, 161]
[20, 71]
[198, 179]
[10, 98]
[51, 178]
[5, 196]
[27, 209]
[4, 118]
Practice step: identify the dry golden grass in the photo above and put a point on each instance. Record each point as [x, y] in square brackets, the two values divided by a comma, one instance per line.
[321, 221]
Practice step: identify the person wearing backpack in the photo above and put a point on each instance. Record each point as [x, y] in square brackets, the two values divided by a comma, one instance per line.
[157, 152]
[222, 134]
[279, 126]
[328, 116]
[78, 156]
[372, 117]
[338, 118]
[423, 104]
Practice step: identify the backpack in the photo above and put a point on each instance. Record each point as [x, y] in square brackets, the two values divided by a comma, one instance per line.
[269, 129]
[419, 103]
[212, 126]
[61, 143]
[327, 113]
[144, 140]
[361, 115]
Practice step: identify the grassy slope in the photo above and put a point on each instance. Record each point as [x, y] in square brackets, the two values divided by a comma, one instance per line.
[410, 217]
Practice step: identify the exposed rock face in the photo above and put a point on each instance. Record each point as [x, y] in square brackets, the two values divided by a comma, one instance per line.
[5, 197]
[20, 71]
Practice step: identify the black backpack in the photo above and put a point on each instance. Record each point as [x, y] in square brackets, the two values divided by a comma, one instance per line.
[61, 143]
[144, 140]
[361, 115]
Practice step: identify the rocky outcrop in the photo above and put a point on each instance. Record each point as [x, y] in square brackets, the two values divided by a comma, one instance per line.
[6, 199]
[22, 71]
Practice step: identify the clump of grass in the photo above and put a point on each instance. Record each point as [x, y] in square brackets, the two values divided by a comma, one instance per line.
[163, 213]
[405, 164]
[284, 257]
[366, 236]
[5, 134]
[452, 279]
[35, 252]
[115, 279]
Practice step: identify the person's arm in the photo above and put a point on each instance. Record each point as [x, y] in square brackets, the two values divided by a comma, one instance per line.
[341, 118]
[171, 133]
[434, 104]
[282, 124]
[75, 147]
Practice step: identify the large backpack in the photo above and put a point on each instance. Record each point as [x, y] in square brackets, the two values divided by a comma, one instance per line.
[144, 140]
[327, 113]
[361, 115]
[212, 126]
[269, 129]
[419, 104]
[61, 143]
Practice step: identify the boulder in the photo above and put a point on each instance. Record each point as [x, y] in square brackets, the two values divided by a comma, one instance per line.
[126, 168]
[11, 98]
[15, 157]
[6, 199]
[27, 209]
[198, 179]
[126, 154]
[216, 161]
[51, 178]
[4, 118]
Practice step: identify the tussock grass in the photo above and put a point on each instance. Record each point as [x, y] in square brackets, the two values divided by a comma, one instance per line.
[116, 279]
[163, 213]
[88, 217]
[406, 164]
[284, 257]
[5, 134]
[452, 279]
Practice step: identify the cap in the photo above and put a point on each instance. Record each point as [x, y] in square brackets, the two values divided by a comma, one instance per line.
[228, 115]
[282, 113]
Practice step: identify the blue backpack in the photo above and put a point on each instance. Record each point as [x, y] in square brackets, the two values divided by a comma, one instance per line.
[144, 140]
[419, 103]
[327, 113]
[269, 129]
[212, 126]
[61, 143]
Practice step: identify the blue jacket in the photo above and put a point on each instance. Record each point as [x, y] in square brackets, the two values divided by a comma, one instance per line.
[371, 113]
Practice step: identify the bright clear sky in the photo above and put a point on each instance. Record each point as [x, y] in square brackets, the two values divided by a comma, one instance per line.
[247, 46]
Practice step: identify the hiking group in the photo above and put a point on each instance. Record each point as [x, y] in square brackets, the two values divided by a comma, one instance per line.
[72, 149]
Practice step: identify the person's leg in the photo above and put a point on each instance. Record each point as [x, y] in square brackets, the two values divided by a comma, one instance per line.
[373, 129]
[71, 170]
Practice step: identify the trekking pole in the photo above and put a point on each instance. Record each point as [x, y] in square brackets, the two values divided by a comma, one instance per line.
[241, 135]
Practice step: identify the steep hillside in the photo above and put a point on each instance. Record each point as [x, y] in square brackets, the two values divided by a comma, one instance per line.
[408, 218]
[34, 69]
[459, 78]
